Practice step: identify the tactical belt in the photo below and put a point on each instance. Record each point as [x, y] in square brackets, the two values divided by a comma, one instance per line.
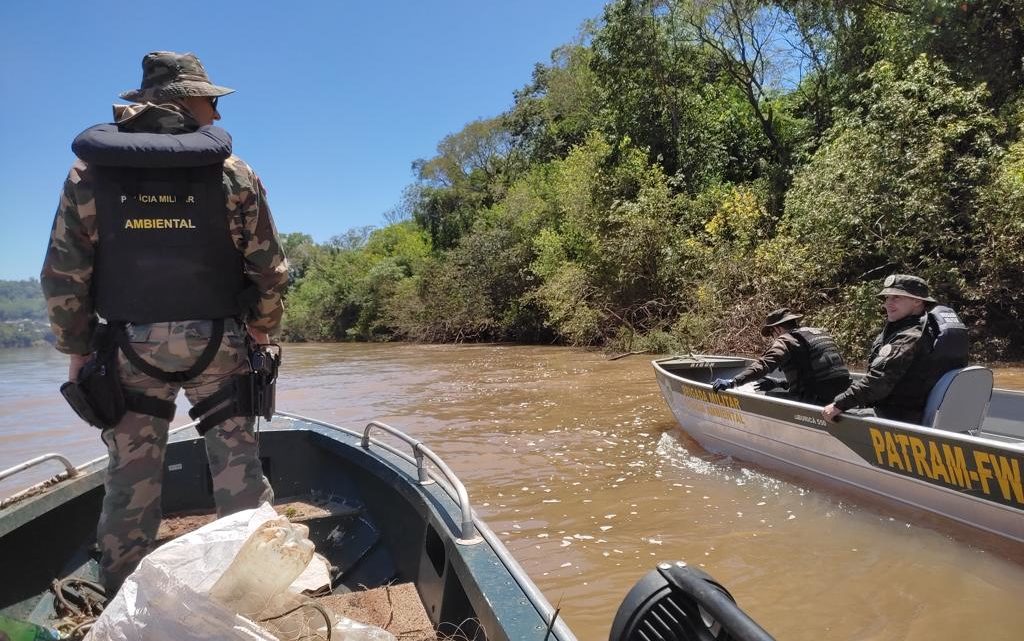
[99, 398]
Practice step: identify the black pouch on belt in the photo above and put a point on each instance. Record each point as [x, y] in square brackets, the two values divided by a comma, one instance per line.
[97, 396]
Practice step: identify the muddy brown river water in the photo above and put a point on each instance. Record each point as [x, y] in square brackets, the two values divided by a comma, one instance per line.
[577, 464]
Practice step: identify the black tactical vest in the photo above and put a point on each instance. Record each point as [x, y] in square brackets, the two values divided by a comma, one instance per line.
[950, 345]
[165, 251]
[818, 360]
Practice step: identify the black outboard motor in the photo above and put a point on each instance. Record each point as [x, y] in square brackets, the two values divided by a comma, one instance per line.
[677, 602]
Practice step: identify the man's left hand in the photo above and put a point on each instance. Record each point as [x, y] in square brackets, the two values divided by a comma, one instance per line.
[830, 412]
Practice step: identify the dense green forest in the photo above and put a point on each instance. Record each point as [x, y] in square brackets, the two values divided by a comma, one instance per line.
[21, 300]
[22, 314]
[684, 166]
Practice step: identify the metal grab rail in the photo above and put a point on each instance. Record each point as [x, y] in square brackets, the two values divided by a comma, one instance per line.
[69, 469]
[419, 451]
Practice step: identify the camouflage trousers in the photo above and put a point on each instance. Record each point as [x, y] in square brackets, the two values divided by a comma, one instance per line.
[131, 507]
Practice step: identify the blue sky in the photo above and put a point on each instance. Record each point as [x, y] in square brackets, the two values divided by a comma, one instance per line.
[335, 99]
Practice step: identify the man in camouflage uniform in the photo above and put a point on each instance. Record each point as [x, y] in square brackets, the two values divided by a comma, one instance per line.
[176, 98]
[814, 369]
[900, 375]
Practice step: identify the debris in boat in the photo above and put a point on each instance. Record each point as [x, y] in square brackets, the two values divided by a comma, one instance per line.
[397, 609]
[267, 563]
[170, 595]
[297, 510]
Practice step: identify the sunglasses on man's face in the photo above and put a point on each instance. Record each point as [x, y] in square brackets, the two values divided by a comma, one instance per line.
[213, 102]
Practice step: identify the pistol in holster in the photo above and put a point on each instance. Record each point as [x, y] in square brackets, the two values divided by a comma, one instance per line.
[263, 366]
[249, 394]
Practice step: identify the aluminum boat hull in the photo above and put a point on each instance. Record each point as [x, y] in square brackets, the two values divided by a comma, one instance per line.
[974, 480]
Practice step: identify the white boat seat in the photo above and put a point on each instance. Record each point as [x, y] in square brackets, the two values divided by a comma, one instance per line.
[959, 401]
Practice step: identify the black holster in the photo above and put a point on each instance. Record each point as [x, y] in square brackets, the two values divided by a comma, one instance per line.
[248, 394]
[97, 395]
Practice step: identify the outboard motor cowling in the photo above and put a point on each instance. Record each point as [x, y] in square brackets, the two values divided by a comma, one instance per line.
[677, 602]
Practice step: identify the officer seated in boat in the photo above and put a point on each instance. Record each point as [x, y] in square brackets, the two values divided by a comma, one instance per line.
[814, 369]
[912, 352]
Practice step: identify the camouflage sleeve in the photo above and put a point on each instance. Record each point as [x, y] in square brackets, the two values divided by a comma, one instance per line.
[888, 365]
[67, 268]
[777, 355]
[254, 233]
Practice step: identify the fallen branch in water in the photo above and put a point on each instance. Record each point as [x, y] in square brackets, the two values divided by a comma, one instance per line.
[642, 351]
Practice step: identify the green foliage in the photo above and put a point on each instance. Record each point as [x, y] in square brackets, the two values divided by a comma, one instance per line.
[683, 167]
[1000, 241]
[24, 334]
[665, 92]
[21, 299]
[894, 187]
[464, 178]
[347, 283]
[558, 108]
[23, 318]
[444, 304]
[301, 252]
[854, 319]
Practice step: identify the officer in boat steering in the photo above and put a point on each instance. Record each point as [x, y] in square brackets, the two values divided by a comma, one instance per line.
[912, 352]
[808, 356]
[167, 237]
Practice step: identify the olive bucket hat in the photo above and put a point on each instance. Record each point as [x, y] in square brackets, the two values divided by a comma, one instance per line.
[778, 317]
[166, 74]
[906, 285]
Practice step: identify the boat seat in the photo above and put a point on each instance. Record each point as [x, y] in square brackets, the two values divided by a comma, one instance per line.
[959, 401]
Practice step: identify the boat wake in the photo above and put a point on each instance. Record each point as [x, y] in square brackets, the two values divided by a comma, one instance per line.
[674, 454]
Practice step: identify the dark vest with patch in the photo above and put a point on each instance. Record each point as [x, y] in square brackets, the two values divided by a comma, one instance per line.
[817, 360]
[165, 251]
[942, 346]
[950, 345]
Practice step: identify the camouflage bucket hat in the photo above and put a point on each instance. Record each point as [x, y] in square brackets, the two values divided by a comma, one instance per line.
[778, 317]
[166, 74]
[906, 285]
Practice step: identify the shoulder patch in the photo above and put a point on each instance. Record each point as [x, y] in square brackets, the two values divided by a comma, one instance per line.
[885, 351]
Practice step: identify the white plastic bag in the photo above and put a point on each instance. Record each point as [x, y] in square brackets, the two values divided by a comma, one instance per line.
[167, 598]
